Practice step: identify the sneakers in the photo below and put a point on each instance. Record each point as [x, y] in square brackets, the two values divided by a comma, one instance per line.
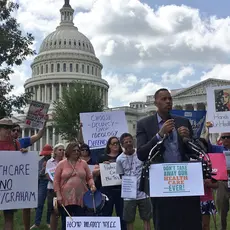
[34, 226]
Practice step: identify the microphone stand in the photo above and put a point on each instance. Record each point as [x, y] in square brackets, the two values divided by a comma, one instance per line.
[207, 172]
[154, 148]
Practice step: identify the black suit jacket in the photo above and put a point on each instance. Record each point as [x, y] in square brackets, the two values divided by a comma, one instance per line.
[148, 127]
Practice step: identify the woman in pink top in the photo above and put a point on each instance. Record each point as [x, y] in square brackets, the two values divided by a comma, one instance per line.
[70, 182]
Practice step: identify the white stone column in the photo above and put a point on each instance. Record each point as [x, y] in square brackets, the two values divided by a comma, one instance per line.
[53, 93]
[60, 90]
[47, 134]
[195, 106]
[45, 100]
[184, 107]
[34, 93]
[39, 93]
[53, 141]
[23, 132]
[48, 93]
[29, 132]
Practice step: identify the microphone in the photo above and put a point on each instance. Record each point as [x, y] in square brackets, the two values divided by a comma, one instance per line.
[191, 144]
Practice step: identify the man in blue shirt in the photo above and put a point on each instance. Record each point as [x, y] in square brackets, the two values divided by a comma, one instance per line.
[26, 142]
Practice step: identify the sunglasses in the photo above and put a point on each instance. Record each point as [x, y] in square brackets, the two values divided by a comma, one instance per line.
[225, 137]
[84, 149]
[114, 143]
[15, 130]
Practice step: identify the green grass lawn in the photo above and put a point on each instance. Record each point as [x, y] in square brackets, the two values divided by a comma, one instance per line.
[19, 225]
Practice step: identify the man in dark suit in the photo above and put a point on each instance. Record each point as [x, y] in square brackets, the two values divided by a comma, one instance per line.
[170, 213]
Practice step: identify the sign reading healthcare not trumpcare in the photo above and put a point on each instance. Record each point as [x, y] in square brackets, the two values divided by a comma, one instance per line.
[18, 180]
[92, 223]
[176, 179]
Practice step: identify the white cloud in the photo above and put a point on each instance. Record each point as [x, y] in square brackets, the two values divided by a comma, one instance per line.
[218, 71]
[183, 73]
[169, 42]
[123, 88]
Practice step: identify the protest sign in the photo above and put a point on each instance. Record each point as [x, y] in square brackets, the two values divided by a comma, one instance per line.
[227, 156]
[219, 166]
[129, 187]
[218, 110]
[176, 179]
[18, 180]
[36, 114]
[51, 172]
[93, 222]
[100, 126]
[196, 118]
[109, 176]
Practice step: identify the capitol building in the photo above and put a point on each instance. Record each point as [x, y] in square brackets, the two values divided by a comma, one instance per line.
[66, 55]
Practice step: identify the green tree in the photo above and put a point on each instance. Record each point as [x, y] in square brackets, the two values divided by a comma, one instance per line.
[75, 100]
[14, 48]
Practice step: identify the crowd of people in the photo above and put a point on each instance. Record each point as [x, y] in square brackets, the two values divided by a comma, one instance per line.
[77, 173]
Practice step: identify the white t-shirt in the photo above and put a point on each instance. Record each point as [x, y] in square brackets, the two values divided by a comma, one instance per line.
[130, 165]
[51, 163]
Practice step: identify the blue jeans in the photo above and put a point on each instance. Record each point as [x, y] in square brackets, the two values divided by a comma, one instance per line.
[42, 193]
[114, 195]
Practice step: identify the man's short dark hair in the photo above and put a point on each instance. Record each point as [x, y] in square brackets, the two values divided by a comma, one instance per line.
[124, 135]
[16, 125]
[158, 91]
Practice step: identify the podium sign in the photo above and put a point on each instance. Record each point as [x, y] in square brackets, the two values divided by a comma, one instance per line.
[176, 179]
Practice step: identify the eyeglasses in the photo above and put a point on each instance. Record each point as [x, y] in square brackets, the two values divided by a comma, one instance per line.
[114, 143]
[61, 149]
[225, 137]
[15, 130]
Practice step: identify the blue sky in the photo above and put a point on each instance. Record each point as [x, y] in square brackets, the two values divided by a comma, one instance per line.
[207, 7]
[173, 44]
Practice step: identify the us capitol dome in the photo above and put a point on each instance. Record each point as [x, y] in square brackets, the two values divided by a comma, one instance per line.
[65, 55]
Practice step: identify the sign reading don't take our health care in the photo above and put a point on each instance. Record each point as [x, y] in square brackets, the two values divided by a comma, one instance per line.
[18, 180]
[98, 127]
[176, 179]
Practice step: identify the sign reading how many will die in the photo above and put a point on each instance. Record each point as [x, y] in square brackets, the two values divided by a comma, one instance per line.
[100, 126]
[18, 180]
[92, 223]
[36, 114]
[218, 110]
[176, 179]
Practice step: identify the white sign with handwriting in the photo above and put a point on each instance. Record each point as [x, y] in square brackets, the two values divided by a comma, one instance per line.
[109, 177]
[18, 180]
[98, 127]
[92, 223]
[218, 109]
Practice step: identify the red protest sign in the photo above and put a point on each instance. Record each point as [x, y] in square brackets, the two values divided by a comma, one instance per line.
[219, 166]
